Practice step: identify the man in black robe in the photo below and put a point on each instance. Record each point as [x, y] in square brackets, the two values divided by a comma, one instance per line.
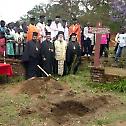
[47, 54]
[73, 54]
[30, 57]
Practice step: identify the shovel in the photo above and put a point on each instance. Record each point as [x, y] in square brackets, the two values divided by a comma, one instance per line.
[48, 75]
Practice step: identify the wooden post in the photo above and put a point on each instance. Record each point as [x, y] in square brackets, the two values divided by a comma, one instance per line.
[97, 47]
[99, 30]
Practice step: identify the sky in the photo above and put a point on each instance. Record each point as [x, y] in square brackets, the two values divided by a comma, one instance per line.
[12, 10]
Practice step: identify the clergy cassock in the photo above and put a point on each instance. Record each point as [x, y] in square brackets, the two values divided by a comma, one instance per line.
[60, 56]
[73, 56]
[47, 56]
[30, 58]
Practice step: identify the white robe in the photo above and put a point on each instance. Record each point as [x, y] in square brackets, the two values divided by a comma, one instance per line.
[55, 28]
[60, 54]
[41, 29]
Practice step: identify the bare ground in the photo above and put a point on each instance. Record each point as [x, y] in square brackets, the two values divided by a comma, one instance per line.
[59, 105]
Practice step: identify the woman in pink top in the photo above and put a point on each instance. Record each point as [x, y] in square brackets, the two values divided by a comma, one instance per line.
[103, 44]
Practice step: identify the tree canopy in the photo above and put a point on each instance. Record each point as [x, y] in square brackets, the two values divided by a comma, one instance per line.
[111, 13]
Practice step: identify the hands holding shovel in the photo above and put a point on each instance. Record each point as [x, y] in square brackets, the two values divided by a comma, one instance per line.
[48, 75]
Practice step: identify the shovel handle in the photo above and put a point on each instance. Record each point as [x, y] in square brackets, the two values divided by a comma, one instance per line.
[48, 75]
[43, 71]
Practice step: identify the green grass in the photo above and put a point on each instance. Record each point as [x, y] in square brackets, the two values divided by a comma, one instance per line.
[79, 80]
[109, 118]
[10, 106]
[116, 86]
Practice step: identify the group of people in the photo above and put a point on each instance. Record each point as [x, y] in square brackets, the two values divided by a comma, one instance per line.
[52, 46]
[58, 57]
[12, 38]
[55, 45]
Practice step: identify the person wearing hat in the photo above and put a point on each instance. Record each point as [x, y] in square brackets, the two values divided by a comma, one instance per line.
[48, 29]
[30, 57]
[75, 28]
[56, 26]
[31, 28]
[47, 54]
[41, 27]
[60, 54]
[73, 54]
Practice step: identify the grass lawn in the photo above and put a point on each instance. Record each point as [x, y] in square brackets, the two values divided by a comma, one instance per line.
[10, 105]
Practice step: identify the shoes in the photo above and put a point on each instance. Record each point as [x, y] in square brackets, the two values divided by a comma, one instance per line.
[88, 55]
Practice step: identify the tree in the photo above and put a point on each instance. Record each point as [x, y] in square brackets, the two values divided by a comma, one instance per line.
[35, 12]
[91, 11]
[68, 9]
[119, 11]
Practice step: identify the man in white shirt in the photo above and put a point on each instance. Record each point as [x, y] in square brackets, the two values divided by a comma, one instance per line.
[88, 41]
[66, 30]
[56, 26]
[122, 44]
[41, 27]
[117, 42]
[48, 29]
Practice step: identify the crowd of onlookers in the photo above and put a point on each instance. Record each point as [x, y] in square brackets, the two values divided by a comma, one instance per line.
[17, 34]
[12, 38]
[57, 39]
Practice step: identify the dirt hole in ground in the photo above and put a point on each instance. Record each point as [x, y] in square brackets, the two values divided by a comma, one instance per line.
[70, 107]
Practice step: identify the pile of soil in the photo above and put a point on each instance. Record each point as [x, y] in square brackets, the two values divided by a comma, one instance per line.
[58, 105]
[40, 85]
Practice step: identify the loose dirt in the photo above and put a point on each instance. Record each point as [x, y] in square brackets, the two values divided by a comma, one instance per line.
[59, 105]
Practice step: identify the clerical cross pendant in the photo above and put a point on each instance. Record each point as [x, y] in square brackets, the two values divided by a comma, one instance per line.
[74, 47]
[36, 48]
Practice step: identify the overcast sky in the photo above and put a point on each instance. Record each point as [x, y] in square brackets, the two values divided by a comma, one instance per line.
[12, 10]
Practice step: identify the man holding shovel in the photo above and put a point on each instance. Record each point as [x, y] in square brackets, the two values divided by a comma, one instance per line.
[30, 57]
[47, 55]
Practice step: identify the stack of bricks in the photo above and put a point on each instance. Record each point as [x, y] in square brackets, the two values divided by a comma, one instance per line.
[97, 74]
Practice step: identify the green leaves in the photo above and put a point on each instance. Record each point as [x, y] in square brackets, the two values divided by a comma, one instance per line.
[117, 86]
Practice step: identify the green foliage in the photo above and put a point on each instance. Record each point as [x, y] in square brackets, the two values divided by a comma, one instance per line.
[91, 11]
[117, 86]
[114, 26]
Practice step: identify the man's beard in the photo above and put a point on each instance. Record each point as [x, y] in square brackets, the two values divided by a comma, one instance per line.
[35, 40]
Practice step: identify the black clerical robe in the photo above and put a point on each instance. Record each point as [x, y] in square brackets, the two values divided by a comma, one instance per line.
[30, 58]
[73, 57]
[47, 56]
